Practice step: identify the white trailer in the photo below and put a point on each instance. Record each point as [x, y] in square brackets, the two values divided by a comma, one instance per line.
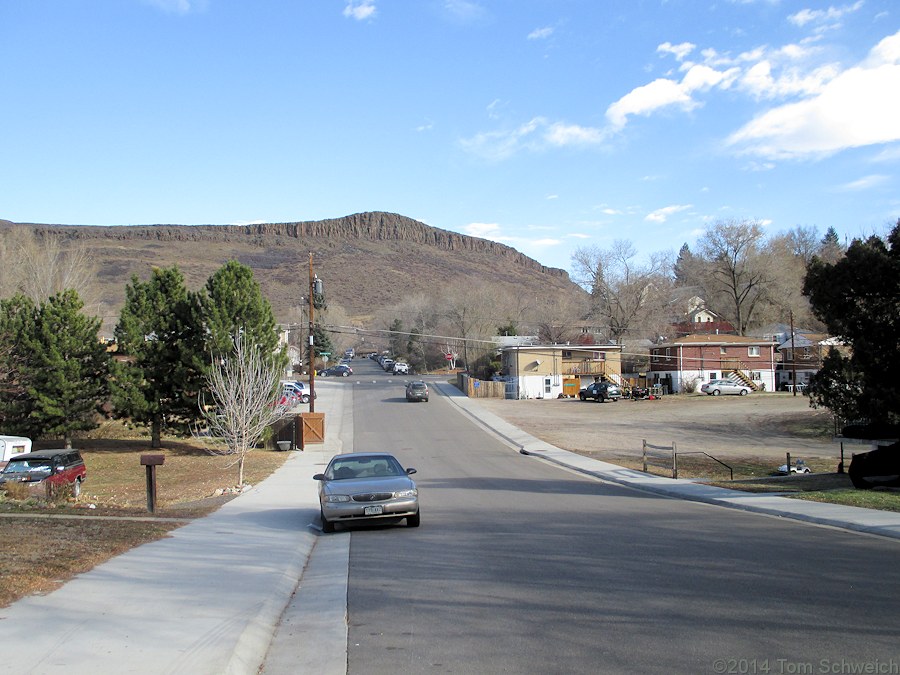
[13, 445]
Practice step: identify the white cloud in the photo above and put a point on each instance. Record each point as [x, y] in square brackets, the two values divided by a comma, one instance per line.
[572, 134]
[536, 134]
[464, 10]
[820, 16]
[679, 51]
[360, 9]
[493, 232]
[178, 6]
[540, 33]
[855, 108]
[864, 183]
[482, 230]
[647, 98]
[661, 215]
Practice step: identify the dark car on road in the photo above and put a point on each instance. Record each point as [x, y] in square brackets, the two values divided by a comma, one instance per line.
[417, 391]
[337, 371]
[600, 391]
[55, 468]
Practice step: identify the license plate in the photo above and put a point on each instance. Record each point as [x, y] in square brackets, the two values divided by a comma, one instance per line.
[373, 510]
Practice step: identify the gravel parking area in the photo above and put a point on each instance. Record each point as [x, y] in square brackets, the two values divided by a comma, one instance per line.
[761, 425]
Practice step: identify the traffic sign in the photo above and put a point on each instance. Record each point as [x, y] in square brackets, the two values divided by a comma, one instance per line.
[324, 353]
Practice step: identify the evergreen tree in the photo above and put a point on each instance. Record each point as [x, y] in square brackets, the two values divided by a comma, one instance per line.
[16, 321]
[830, 249]
[858, 299]
[67, 371]
[161, 339]
[234, 305]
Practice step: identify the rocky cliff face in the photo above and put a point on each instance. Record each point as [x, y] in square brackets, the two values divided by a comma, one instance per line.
[372, 226]
[369, 261]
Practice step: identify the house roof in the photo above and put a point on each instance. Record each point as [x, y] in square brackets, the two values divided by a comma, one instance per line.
[709, 339]
[569, 347]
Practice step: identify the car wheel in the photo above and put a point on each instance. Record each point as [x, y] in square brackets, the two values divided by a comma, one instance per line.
[716, 392]
[76, 488]
[583, 398]
[412, 521]
[304, 399]
[345, 374]
[744, 392]
[426, 400]
[327, 527]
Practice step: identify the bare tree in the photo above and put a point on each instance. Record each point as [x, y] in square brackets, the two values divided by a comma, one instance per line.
[738, 273]
[243, 387]
[625, 294]
[41, 266]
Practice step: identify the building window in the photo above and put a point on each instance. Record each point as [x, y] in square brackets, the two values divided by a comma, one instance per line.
[754, 375]
[547, 385]
[752, 351]
[567, 354]
[723, 350]
[713, 376]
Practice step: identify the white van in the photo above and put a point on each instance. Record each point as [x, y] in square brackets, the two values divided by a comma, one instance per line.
[13, 445]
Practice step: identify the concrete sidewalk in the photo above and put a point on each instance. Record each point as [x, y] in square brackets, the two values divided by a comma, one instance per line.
[883, 523]
[207, 599]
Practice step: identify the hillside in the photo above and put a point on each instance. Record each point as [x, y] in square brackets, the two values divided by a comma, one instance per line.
[367, 260]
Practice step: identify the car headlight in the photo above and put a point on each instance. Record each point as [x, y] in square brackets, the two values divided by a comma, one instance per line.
[337, 498]
[400, 494]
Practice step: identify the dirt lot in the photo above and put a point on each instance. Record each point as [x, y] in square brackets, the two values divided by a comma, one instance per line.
[759, 427]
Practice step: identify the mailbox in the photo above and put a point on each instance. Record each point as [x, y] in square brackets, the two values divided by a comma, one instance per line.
[151, 462]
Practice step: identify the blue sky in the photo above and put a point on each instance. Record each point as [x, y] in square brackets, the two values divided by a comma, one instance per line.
[547, 125]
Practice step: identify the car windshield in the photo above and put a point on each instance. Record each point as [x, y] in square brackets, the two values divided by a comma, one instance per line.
[28, 466]
[364, 467]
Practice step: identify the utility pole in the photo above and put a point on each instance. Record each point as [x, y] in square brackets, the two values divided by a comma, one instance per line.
[312, 351]
[793, 357]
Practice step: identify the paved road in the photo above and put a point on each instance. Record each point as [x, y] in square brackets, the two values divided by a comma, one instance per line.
[524, 567]
[520, 566]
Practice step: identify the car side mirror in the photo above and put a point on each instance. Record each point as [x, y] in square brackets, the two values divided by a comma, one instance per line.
[410, 471]
[319, 476]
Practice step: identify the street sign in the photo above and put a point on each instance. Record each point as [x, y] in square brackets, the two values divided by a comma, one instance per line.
[324, 353]
[449, 357]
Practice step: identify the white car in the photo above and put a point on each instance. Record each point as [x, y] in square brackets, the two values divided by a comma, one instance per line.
[716, 387]
[401, 368]
[367, 486]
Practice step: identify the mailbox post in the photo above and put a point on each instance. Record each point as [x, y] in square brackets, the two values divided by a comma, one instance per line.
[151, 462]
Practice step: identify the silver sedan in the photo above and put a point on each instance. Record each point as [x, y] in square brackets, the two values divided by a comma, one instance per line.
[716, 387]
[366, 486]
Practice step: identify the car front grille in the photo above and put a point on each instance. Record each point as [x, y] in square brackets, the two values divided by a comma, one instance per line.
[373, 497]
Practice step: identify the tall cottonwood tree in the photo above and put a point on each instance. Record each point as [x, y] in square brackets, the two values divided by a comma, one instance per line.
[163, 358]
[737, 273]
[626, 294]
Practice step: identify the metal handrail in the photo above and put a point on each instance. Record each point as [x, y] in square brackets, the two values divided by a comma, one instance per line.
[700, 452]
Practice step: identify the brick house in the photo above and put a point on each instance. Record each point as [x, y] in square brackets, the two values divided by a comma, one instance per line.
[695, 359]
[549, 371]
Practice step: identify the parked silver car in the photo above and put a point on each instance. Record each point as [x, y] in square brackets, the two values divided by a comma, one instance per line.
[716, 387]
[366, 486]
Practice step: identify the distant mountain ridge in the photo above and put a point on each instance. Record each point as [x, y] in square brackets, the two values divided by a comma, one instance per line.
[366, 259]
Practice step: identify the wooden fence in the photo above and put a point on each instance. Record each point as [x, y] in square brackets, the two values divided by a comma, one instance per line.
[663, 456]
[480, 388]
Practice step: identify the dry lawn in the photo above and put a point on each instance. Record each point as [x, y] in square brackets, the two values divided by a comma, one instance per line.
[44, 544]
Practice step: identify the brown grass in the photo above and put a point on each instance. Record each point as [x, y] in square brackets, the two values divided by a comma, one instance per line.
[41, 551]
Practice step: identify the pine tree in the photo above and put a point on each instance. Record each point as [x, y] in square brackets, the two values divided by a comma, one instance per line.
[234, 305]
[163, 360]
[67, 371]
[16, 321]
